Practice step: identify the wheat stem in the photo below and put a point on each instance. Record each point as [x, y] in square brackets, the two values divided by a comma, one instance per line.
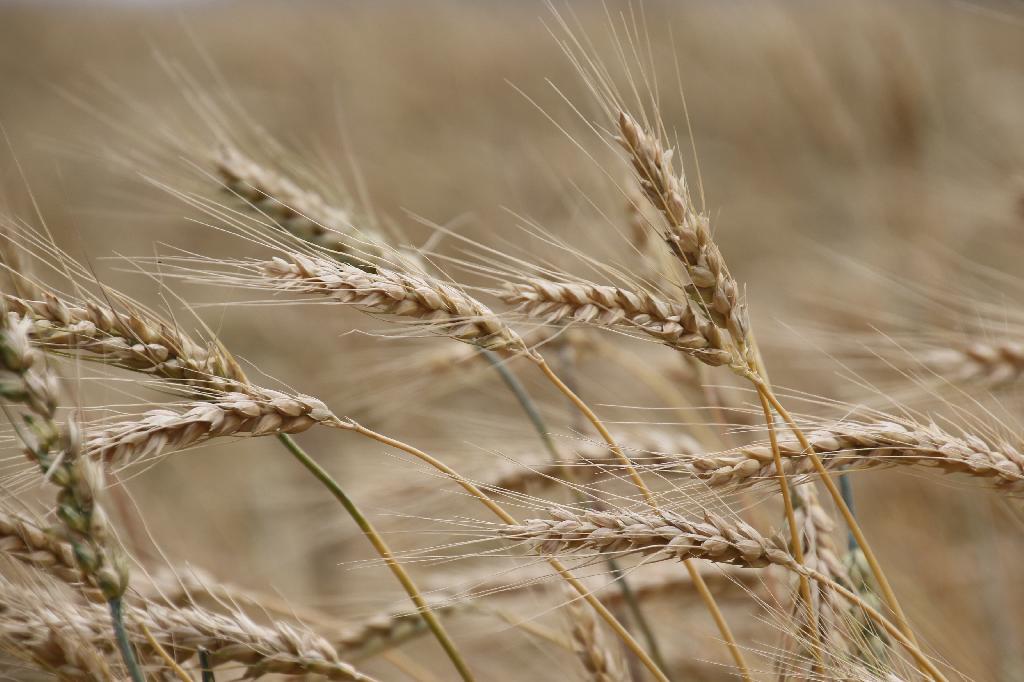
[382, 548]
[876, 569]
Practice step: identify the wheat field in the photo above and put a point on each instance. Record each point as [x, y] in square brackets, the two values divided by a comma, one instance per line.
[465, 340]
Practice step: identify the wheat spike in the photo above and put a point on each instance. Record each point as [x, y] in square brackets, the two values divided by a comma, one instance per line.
[851, 444]
[233, 414]
[130, 338]
[448, 309]
[601, 660]
[28, 622]
[300, 211]
[677, 324]
[688, 233]
[664, 533]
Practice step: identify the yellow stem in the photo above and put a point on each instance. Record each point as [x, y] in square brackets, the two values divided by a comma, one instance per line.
[171, 663]
[794, 533]
[851, 522]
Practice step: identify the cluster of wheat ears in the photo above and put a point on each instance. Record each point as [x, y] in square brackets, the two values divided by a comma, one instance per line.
[629, 509]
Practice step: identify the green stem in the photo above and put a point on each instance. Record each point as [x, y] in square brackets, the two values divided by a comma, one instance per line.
[124, 645]
[530, 408]
[206, 670]
[385, 552]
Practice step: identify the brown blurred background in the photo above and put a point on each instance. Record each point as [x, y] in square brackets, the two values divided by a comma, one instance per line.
[882, 132]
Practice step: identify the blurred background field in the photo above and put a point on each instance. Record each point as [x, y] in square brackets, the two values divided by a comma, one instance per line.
[844, 149]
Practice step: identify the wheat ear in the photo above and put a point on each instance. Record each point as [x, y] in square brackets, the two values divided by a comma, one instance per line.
[233, 414]
[676, 324]
[58, 452]
[130, 337]
[666, 535]
[300, 211]
[992, 363]
[601, 662]
[849, 444]
[688, 233]
[443, 307]
[29, 622]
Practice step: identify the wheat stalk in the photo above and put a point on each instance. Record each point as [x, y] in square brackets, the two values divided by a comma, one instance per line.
[443, 307]
[676, 324]
[26, 621]
[159, 431]
[688, 233]
[866, 445]
[298, 210]
[130, 338]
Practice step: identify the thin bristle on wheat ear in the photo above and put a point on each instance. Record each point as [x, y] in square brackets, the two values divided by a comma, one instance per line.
[676, 324]
[300, 211]
[688, 233]
[129, 338]
[447, 309]
[601, 661]
[865, 445]
[664, 533]
[62, 637]
[233, 414]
